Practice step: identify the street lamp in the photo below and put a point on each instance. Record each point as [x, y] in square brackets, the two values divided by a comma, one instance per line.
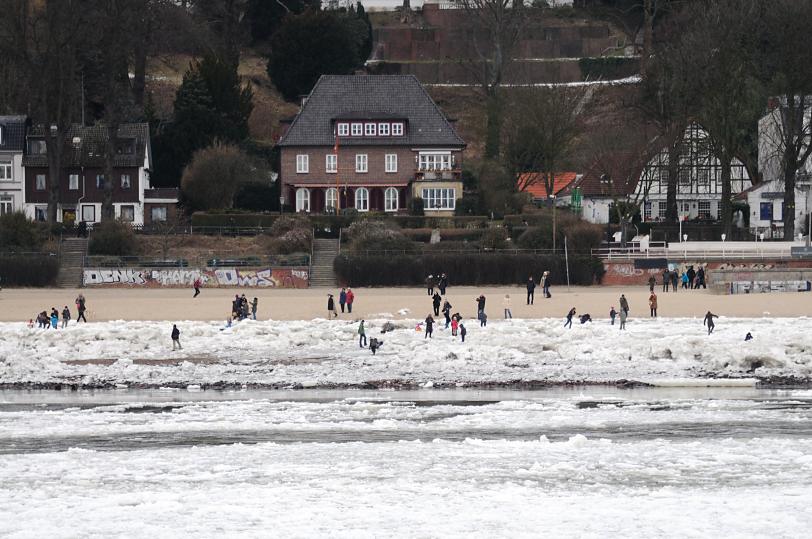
[684, 247]
[553, 199]
[724, 237]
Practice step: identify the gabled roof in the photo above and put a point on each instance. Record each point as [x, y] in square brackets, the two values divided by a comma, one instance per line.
[13, 139]
[372, 97]
[89, 149]
[624, 174]
[534, 184]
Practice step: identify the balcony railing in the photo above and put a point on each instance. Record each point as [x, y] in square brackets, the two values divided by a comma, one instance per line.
[447, 174]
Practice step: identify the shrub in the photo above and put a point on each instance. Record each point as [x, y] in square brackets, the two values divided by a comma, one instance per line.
[255, 196]
[416, 206]
[114, 238]
[494, 238]
[287, 223]
[446, 234]
[581, 236]
[17, 233]
[464, 268]
[298, 240]
[211, 179]
[232, 218]
[372, 235]
[33, 270]
[447, 246]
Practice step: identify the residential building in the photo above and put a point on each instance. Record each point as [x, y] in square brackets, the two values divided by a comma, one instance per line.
[370, 143]
[699, 184]
[533, 183]
[12, 146]
[602, 184]
[81, 178]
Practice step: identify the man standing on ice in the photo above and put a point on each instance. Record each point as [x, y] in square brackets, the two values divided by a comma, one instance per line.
[708, 321]
[176, 338]
[436, 300]
[65, 317]
[652, 304]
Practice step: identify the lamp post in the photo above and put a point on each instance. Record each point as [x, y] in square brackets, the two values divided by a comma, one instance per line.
[724, 237]
[684, 247]
[552, 197]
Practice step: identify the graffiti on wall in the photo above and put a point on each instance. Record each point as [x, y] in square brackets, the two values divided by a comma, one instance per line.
[183, 277]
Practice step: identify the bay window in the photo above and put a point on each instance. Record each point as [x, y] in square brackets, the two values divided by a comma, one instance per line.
[439, 199]
[429, 161]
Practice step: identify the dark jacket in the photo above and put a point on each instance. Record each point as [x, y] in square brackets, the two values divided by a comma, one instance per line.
[175, 333]
[480, 303]
[331, 305]
[437, 299]
[429, 323]
[531, 285]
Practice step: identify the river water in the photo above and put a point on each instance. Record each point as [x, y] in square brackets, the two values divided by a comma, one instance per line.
[588, 462]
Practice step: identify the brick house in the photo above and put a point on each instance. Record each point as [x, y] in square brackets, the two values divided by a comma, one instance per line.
[372, 143]
[81, 181]
[12, 144]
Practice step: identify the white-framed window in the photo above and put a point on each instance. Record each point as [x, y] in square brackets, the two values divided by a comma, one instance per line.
[361, 162]
[73, 182]
[302, 163]
[40, 213]
[303, 199]
[158, 214]
[704, 209]
[357, 129]
[343, 129]
[397, 129]
[370, 129]
[434, 161]
[647, 210]
[390, 199]
[6, 204]
[391, 162]
[331, 163]
[39, 182]
[362, 199]
[125, 181]
[663, 209]
[703, 176]
[383, 129]
[331, 199]
[127, 213]
[5, 172]
[89, 213]
[99, 181]
[37, 147]
[439, 199]
[684, 176]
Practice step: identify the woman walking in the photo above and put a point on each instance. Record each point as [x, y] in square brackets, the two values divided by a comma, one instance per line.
[506, 305]
[652, 304]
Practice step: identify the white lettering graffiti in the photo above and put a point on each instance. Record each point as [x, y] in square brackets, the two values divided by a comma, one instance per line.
[178, 277]
[102, 276]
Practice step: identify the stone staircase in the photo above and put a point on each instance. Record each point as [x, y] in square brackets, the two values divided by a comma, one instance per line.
[321, 267]
[71, 262]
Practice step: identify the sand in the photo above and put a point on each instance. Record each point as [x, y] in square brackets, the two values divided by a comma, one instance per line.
[106, 304]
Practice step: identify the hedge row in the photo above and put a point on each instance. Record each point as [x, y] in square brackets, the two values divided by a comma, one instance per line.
[446, 234]
[464, 269]
[248, 220]
[28, 270]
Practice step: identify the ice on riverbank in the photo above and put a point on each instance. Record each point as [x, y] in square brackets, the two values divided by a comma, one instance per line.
[321, 352]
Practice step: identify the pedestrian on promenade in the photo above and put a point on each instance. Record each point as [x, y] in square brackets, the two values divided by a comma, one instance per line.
[443, 284]
[196, 285]
[685, 280]
[81, 306]
[674, 280]
[430, 285]
[531, 289]
[691, 276]
[545, 280]
[651, 283]
[700, 278]
[176, 338]
[254, 304]
[666, 279]
[480, 304]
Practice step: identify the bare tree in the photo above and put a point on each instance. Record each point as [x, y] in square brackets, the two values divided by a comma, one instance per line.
[543, 126]
[495, 26]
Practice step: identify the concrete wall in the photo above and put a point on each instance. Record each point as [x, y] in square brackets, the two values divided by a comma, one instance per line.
[294, 277]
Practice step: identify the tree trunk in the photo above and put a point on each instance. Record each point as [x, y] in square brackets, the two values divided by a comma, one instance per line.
[789, 201]
[493, 126]
[108, 211]
[725, 206]
[648, 36]
[671, 210]
[53, 148]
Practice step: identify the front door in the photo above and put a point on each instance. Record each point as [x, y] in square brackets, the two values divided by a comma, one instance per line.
[68, 216]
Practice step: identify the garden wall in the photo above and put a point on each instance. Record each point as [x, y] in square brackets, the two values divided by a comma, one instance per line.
[298, 277]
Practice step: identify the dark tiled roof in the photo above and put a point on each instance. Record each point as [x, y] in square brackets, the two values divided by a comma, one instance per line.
[370, 96]
[13, 133]
[161, 193]
[90, 149]
[624, 169]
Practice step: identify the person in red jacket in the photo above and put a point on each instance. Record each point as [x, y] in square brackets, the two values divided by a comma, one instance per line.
[350, 299]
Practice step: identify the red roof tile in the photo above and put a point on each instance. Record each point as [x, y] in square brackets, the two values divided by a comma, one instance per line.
[534, 184]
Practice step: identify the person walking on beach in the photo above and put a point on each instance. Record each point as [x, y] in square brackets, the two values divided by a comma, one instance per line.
[480, 304]
[708, 321]
[531, 289]
[65, 317]
[331, 307]
[447, 313]
[254, 304]
[506, 305]
[429, 327]
[612, 315]
[666, 279]
[700, 278]
[623, 316]
[463, 332]
[545, 284]
[350, 299]
[685, 280]
[176, 338]
[430, 285]
[54, 318]
[443, 284]
[81, 306]
[436, 300]
[652, 304]
[483, 319]
[691, 276]
[362, 335]
[624, 304]
[674, 280]
[342, 299]
[651, 283]
[570, 314]
[196, 285]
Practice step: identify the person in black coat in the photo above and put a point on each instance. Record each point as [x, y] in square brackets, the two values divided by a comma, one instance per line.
[436, 300]
[176, 338]
[570, 314]
[443, 284]
[331, 307]
[531, 288]
[429, 327]
[480, 304]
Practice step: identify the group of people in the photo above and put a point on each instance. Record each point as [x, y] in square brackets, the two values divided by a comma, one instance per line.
[690, 279]
[45, 320]
[240, 308]
[345, 300]
[436, 281]
[545, 287]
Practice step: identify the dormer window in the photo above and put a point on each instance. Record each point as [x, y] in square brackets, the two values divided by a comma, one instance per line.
[343, 129]
[126, 147]
[36, 147]
[357, 129]
[370, 129]
[383, 129]
[397, 129]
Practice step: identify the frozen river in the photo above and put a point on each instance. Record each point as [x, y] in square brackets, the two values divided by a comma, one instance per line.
[588, 462]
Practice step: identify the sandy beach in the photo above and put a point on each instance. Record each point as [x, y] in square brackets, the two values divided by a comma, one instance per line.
[105, 304]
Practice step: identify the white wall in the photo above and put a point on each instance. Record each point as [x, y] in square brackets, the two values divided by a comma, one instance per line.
[16, 188]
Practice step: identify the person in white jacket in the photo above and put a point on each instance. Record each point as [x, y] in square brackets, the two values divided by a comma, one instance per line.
[506, 305]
